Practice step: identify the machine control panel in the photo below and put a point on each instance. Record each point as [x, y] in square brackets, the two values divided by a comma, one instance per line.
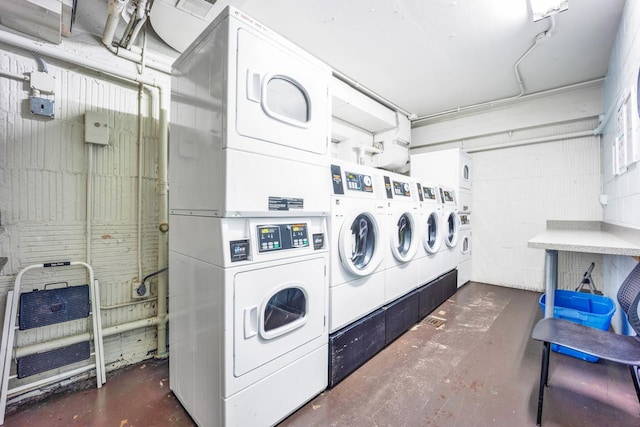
[430, 193]
[358, 182]
[464, 219]
[282, 236]
[401, 189]
[447, 196]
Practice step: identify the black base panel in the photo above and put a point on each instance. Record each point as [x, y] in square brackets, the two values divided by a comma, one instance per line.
[42, 308]
[352, 346]
[400, 315]
[37, 363]
[449, 285]
[436, 292]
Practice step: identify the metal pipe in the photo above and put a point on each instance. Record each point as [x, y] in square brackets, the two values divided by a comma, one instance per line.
[24, 77]
[531, 141]
[516, 67]
[113, 18]
[42, 347]
[139, 189]
[127, 304]
[163, 223]
[89, 195]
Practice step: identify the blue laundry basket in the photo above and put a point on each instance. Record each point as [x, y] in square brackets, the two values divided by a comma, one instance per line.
[591, 310]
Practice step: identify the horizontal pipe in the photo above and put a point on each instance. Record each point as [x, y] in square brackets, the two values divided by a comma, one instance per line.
[531, 141]
[16, 76]
[127, 304]
[31, 349]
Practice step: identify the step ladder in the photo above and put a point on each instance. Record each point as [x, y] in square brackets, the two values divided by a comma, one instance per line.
[60, 305]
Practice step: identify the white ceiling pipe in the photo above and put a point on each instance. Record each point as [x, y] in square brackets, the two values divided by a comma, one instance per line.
[516, 67]
[530, 141]
[113, 18]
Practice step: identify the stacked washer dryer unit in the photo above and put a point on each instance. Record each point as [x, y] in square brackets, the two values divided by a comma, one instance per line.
[452, 168]
[402, 274]
[248, 253]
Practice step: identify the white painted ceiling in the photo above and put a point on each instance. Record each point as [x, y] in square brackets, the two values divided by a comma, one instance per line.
[428, 56]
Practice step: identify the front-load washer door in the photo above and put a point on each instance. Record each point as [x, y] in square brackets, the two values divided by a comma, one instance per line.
[431, 237]
[281, 97]
[359, 243]
[451, 230]
[404, 237]
[277, 309]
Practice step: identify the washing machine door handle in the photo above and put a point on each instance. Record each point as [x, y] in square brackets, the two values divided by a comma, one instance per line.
[250, 322]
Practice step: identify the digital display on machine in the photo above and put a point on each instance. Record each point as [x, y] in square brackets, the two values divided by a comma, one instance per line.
[429, 193]
[401, 189]
[448, 196]
[269, 238]
[282, 236]
[299, 237]
[358, 182]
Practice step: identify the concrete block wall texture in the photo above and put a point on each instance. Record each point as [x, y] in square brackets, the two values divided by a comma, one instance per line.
[43, 194]
[623, 191]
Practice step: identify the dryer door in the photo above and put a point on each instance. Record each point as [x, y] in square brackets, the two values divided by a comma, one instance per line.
[404, 240]
[359, 243]
[451, 230]
[432, 241]
[281, 97]
[276, 310]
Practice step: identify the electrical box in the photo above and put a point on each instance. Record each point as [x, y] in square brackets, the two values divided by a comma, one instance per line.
[42, 106]
[43, 82]
[96, 128]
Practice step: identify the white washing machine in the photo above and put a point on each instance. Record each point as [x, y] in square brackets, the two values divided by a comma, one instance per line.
[248, 303]
[431, 232]
[250, 119]
[450, 227]
[464, 247]
[402, 273]
[358, 238]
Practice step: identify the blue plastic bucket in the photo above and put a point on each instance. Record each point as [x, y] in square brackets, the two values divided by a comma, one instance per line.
[591, 310]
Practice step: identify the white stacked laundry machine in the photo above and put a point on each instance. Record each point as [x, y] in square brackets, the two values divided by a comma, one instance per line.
[453, 169]
[248, 253]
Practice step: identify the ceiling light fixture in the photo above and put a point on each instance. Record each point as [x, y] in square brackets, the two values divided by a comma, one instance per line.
[544, 8]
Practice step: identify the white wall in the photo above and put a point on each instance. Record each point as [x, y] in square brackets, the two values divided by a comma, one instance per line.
[519, 182]
[623, 191]
[43, 197]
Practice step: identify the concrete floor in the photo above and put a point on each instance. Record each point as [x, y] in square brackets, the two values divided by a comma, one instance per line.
[478, 369]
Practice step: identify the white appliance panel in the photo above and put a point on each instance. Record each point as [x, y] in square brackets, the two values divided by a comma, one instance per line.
[294, 113]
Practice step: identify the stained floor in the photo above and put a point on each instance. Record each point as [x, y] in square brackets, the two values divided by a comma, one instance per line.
[480, 368]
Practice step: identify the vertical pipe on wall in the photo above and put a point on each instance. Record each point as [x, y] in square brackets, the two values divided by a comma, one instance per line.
[163, 220]
[89, 195]
[139, 201]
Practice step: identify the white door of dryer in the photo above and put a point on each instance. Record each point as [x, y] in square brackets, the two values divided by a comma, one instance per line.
[359, 243]
[465, 171]
[451, 226]
[277, 309]
[431, 234]
[404, 236]
[282, 98]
